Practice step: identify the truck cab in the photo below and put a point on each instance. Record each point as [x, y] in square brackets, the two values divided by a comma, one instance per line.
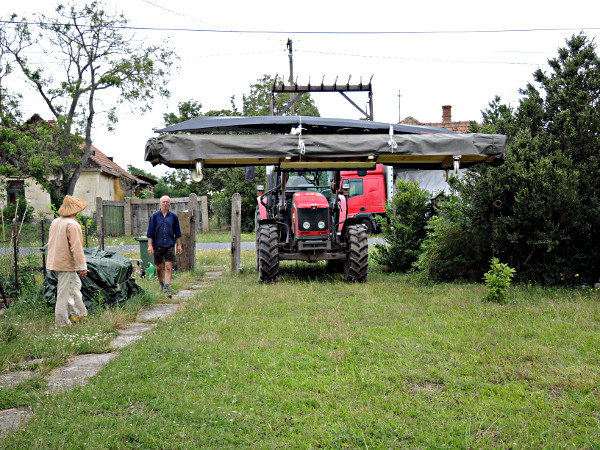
[367, 194]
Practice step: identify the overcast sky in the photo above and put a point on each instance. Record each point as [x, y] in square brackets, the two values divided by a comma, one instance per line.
[459, 53]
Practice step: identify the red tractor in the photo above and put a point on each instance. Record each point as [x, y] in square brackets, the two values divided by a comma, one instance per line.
[303, 216]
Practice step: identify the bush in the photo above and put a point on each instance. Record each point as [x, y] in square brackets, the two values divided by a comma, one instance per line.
[24, 209]
[404, 231]
[454, 248]
[497, 280]
[28, 267]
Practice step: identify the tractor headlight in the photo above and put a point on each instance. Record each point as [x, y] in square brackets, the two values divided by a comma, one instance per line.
[306, 225]
[321, 225]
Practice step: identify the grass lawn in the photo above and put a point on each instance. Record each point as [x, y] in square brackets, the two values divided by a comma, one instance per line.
[315, 362]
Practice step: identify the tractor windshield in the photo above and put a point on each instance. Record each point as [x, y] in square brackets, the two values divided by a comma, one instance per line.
[309, 180]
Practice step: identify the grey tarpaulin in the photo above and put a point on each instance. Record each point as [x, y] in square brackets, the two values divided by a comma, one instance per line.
[109, 278]
[421, 150]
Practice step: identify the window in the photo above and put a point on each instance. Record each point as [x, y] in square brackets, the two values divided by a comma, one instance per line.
[356, 188]
[15, 188]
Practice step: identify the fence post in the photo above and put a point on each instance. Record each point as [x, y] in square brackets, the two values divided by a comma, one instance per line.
[204, 213]
[194, 207]
[187, 259]
[43, 244]
[15, 239]
[236, 228]
[127, 217]
[99, 222]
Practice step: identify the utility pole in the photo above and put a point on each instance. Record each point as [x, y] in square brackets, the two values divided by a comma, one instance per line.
[399, 115]
[289, 47]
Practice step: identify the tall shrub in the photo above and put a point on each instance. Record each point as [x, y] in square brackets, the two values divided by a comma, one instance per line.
[404, 231]
[540, 211]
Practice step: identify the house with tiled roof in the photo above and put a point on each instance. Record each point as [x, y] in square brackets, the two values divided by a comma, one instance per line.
[434, 181]
[100, 177]
[447, 122]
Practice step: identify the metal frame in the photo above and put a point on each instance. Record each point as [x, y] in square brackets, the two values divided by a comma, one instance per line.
[341, 88]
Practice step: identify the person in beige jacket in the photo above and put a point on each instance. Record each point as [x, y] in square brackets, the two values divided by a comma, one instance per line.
[67, 261]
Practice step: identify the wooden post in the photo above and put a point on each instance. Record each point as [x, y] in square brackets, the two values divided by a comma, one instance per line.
[44, 250]
[99, 223]
[127, 217]
[187, 259]
[204, 213]
[15, 239]
[193, 206]
[236, 228]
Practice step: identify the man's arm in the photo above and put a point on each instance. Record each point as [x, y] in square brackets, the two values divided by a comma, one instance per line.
[74, 237]
[150, 234]
[179, 246]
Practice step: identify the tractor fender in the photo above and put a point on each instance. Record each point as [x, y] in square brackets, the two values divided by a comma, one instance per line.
[262, 211]
[351, 221]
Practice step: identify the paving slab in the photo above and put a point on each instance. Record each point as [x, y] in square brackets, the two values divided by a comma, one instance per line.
[11, 419]
[185, 294]
[77, 373]
[158, 312]
[13, 379]
[131, 334]
[214, 274]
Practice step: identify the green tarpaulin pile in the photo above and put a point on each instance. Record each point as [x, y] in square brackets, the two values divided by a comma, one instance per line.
[109, 280]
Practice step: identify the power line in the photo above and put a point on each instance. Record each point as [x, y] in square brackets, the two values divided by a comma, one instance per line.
[418, 59]
[353, 32]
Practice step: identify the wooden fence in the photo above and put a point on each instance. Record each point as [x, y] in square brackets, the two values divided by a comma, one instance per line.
[131, 217]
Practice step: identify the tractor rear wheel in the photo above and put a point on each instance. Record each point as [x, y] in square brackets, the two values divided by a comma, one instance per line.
[357, 261]
[267, 253]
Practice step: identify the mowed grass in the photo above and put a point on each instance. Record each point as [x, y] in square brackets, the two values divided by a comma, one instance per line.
[315, 362]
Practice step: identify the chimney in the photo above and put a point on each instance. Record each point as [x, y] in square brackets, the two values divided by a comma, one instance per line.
[447, 113]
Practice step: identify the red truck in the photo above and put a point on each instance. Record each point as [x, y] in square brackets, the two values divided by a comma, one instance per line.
[368, 190]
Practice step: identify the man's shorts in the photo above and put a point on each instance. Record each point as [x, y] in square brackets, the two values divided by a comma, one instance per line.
[164, 254]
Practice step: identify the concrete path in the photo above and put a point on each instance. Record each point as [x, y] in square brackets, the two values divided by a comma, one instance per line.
[82, 367]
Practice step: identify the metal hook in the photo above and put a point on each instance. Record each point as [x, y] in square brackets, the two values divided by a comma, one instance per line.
[196, 172]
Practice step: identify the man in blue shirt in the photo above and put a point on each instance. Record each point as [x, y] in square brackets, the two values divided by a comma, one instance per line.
[163, 233]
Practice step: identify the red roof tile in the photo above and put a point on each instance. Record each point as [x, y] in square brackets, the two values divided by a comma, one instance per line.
[459, 127]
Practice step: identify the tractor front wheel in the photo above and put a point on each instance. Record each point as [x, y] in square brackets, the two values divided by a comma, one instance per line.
[357, 261]
[267, 253]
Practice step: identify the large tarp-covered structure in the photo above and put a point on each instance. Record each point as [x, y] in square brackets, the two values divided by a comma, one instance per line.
[109, 279]
[309, 142]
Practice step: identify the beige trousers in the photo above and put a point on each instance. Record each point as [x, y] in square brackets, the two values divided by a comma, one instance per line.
[69, 301]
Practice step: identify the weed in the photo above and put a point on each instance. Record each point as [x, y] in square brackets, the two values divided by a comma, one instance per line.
[497, 281]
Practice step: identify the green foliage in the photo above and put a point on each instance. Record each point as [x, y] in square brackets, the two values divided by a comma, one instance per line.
[28, 266]
[541, 209]
[96, 57]
[23, 209]
[220, 205]
[187, 110]
[38, 150]
[453, 245]
[8, 332]
[405, 229]
[145, 193]
[497, 281]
